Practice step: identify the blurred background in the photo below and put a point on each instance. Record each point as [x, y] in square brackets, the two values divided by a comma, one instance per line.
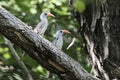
[29, 12]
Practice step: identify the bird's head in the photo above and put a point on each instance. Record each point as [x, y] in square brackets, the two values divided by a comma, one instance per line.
[45, 14]
[60, 33]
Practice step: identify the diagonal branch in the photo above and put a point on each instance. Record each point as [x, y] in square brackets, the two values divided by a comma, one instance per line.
[41, 49]
[20, 62]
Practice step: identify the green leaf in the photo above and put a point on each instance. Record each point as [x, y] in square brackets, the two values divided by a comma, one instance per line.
[6, 56]
[33, 10]
[79, 5]
[1, 50]
[6, 49]
[78, 49]
[40, 69]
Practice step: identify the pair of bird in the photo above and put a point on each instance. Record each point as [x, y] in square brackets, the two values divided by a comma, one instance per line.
[42, 26]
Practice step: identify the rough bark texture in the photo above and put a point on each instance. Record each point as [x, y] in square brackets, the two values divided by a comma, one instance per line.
[99, 26]
[41, 49]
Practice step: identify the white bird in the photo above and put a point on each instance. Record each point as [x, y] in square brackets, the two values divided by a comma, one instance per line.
[58, 42]
[42, 26]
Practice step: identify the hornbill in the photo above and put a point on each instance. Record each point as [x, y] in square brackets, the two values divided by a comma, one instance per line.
[58, 42]
[42, 26]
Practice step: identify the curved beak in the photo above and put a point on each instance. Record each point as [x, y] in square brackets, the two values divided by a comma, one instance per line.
[49, 14]
[66, 31]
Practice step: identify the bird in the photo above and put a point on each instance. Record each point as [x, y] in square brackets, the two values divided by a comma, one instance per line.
[58, 42]
[42, 26]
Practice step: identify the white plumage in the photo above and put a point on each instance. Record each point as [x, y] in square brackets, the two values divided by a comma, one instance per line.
[42, 26]
[58, 42]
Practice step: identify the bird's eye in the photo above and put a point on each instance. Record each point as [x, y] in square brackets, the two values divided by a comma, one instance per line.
[45, 13]
[60, 31]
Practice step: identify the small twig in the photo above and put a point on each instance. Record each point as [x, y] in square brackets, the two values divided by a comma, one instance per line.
[73, 41]
[20, 62]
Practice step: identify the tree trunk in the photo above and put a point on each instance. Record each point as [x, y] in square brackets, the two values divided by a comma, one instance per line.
[99, 25]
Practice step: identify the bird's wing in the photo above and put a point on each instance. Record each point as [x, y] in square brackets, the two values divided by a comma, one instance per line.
[57, 43]
[54, 42]
[39, 27]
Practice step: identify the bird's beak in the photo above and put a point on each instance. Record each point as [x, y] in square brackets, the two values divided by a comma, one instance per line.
[49, 14]
[66, 31]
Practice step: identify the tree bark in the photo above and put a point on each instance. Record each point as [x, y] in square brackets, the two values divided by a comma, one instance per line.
[41, 49]
[100, 28]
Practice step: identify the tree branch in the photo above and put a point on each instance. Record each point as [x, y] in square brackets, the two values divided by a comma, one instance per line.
[41, 49]
[20, 62]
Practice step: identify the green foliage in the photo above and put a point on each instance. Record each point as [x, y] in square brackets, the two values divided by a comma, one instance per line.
[29, 11]
[79, 5]
[6, 56]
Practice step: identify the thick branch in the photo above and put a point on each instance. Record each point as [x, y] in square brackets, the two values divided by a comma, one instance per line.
[41, 49]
